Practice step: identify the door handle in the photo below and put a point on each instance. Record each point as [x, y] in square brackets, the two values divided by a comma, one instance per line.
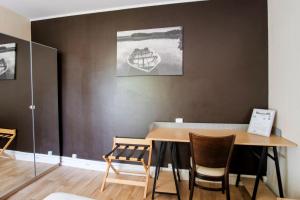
[32, 107]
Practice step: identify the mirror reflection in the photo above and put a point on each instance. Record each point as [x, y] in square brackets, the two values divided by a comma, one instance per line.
[29, 129]
[45, 101]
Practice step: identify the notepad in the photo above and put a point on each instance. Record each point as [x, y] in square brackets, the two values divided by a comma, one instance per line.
[261, 122]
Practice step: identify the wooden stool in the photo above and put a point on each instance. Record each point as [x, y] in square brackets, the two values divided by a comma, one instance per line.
[8, 135]
[129, 150]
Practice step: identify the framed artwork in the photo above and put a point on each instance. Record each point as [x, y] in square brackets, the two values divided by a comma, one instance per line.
[157, 51]
[8, 61]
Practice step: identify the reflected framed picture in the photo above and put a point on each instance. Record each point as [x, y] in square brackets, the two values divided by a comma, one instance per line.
[157, 51]
[8, 61]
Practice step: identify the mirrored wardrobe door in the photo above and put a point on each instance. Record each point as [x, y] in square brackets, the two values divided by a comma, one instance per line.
[45, 104]
[16, 139]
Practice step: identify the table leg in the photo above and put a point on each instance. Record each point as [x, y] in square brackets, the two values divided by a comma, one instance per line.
[173, 157]
[177, 160]
[162, 153]
[263, 157]
[238, 179]
[278, 172]
[157, 167]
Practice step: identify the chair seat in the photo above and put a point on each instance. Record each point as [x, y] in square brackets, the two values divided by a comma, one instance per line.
[207, 171]
[65, 196]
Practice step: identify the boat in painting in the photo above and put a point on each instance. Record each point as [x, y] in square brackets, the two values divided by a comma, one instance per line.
[144, 59]
[3, 66]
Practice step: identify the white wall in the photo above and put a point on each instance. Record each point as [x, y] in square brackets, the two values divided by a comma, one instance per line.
[14, 24]
[284, 86]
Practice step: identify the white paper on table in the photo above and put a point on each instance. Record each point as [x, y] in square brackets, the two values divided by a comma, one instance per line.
[261, 122]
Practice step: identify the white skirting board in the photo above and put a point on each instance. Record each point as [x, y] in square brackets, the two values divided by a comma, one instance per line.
[101, 166]
[97, 165]
[26, 156]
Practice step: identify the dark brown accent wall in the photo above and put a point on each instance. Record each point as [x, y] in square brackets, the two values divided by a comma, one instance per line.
[225, 70]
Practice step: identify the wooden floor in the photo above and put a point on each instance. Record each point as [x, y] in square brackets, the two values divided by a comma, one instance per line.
[14, 173]
[86, 183]
[263, 193]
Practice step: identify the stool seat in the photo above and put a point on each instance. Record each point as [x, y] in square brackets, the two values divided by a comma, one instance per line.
[129, 150]
[65, 196]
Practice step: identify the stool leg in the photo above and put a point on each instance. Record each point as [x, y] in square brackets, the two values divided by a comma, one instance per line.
[106, 174]
[147, 182]
[114, 169]
[5, 147]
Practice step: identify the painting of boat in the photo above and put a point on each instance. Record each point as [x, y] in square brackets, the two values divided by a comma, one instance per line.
[7, 61]
[3, 66]
[143, 59]
[150, 52]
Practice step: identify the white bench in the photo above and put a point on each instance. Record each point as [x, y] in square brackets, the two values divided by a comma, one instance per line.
[65, 196]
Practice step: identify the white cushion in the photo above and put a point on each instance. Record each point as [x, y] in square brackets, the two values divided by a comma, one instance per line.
[209, 171]
[65, 196]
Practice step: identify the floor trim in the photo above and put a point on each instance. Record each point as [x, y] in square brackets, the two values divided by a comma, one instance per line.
[99, 165]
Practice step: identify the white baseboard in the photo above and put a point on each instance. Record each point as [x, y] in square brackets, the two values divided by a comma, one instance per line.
[99, 165]
[26, 156]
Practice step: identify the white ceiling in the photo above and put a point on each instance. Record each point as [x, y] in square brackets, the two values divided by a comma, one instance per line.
[43, 9]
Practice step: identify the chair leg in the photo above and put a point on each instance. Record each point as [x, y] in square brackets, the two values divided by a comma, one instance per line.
[227, 187]
[189, 179]
[192, 186]
[223, 186]
[105, 176]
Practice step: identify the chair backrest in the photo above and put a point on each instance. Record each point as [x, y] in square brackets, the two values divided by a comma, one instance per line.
[213, 152]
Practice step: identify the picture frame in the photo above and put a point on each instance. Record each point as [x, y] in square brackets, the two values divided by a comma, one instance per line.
[155, 51]
[8, 61]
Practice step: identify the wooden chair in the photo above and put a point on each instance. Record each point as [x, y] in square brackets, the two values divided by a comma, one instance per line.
[8, 135]
[129, 150]
[210, 161]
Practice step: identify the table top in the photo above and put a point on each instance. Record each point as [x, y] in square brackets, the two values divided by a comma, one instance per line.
[242, 137]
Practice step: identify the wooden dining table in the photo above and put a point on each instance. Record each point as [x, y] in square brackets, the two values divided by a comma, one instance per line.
[181, 135]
